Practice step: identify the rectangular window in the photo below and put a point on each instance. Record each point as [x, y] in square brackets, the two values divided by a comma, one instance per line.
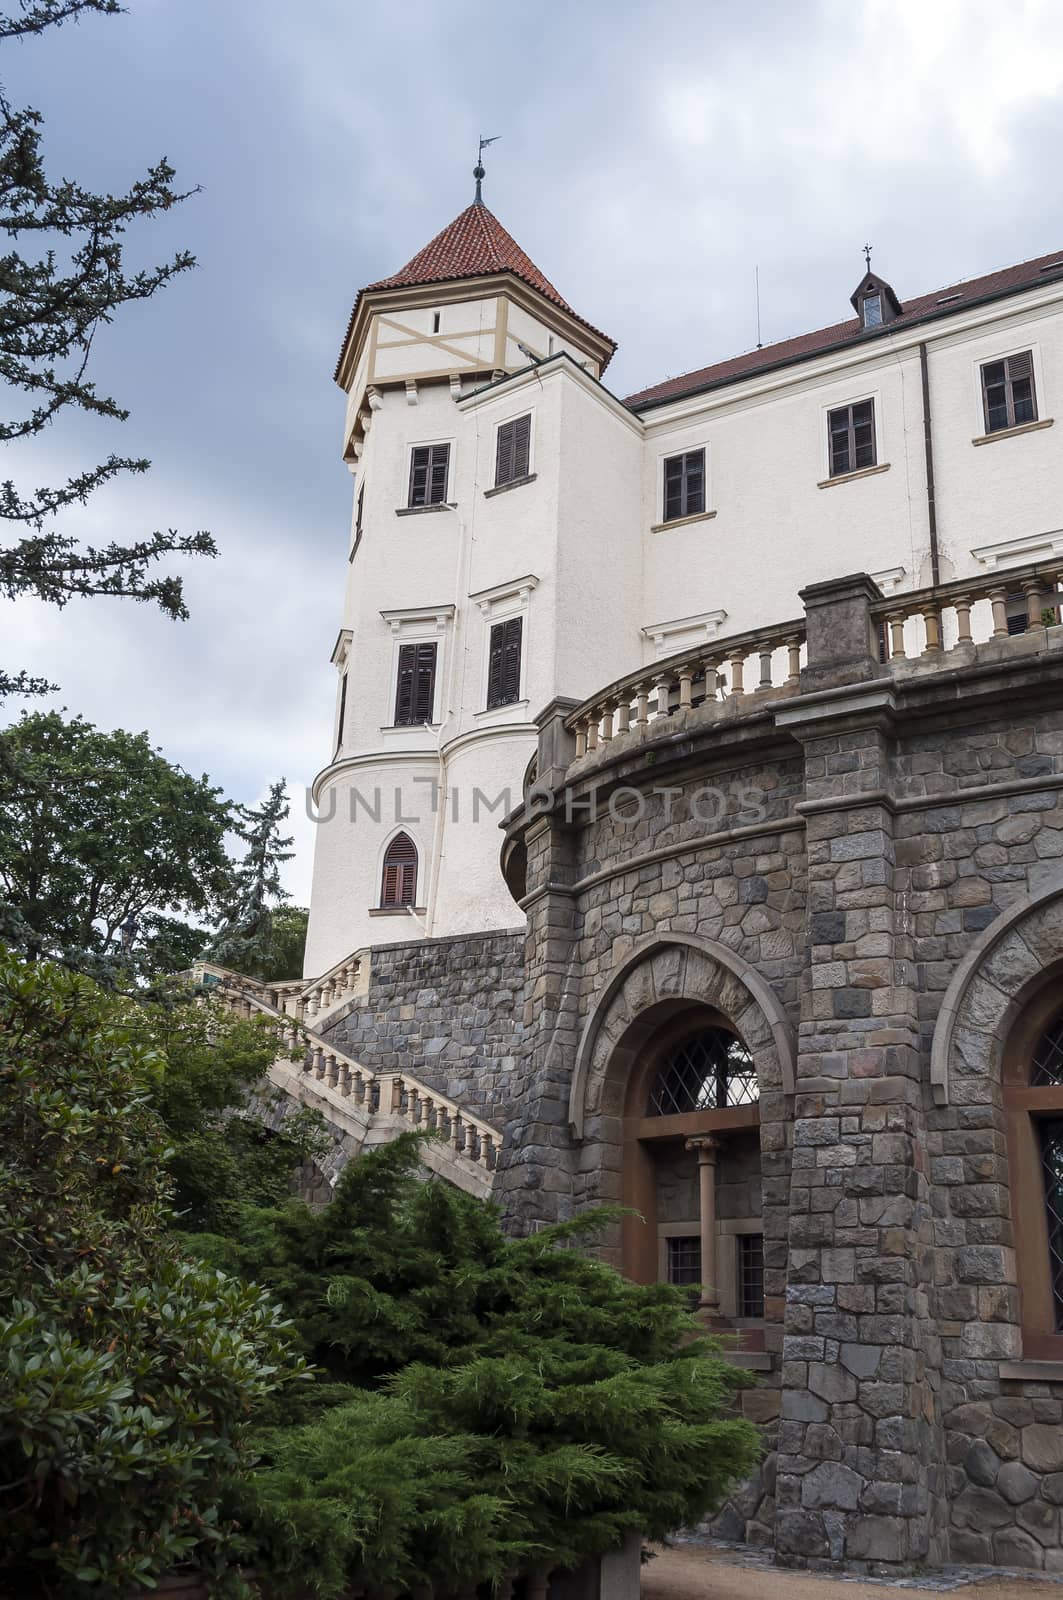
[1008, 396]
[503, 669]
[684, 1260]
[513, 454]
[750, 1262]
[852, 438]
[342, 717]
[416, 692]
[359, 508]
[872, 310]
[429, 466]
[684, 485]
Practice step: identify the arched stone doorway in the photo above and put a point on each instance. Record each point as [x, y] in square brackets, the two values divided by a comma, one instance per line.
[681, 1100]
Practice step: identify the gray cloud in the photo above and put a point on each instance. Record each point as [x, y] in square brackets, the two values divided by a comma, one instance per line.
[652, 155]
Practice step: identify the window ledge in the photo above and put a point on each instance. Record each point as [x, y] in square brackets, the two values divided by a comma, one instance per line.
[514, 483]
[1031, 1371]
[848, 477]
[398, 911]
[510, 706]
[682, 522]
[1009, 433]
[419, 511]
[752, 1360]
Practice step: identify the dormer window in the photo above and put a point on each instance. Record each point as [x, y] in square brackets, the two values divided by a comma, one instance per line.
[873, 310]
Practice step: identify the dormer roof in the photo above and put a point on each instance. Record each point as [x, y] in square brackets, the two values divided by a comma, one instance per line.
[871, 283]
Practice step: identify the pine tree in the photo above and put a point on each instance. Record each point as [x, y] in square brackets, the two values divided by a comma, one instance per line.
[54, 300]
[245, 939]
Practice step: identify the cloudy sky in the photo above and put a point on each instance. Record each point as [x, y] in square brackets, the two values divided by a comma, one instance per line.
[651, 156]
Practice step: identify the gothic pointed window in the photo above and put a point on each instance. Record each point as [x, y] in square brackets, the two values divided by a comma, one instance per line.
[708, 1071]
[399, 880]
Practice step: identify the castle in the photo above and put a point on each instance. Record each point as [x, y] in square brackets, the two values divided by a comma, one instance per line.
[693, 838]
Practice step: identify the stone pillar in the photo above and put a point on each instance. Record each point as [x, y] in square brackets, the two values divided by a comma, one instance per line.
[860, 1469]
[706, 1147]
[842, 642]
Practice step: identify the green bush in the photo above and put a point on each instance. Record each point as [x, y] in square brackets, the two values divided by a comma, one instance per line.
[129, 1374]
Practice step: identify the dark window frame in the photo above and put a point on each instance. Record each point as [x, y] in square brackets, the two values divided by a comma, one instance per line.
[399, 871]
[513, 450]
[342, 714]
[359, 509]
[873, 296]
[415, 686]
[682, 1259]
[1033, 1105]
[1001, 379]
[505, 661]
[749, 1276]
[684, 485]
[429, 475]
[852, 442]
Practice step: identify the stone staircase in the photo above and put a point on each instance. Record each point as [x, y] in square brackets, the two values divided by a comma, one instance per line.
[363, 1108]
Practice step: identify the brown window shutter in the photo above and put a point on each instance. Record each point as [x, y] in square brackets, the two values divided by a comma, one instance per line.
[399, 880]
[521, 446]
[511, 660]
[415, 693]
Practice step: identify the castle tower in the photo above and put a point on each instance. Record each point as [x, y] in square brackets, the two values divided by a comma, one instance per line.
[455, 371]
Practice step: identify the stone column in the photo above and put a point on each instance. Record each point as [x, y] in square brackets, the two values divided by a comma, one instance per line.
[706, 1147]
[861, 1468]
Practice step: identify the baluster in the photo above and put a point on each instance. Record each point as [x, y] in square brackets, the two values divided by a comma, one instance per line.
[607, 722]
[686, 686]
[319, 1062]
[896, 627]
[664, 696]
[310, 1009]
[396, 1094]
[357, 1086]
[1034, 590]
[457, 1132]
[642, 704]
[765, 669]
[487, 1145]
[793, 660]
[962, 605]
[470, 1141]
[592, 732]
[738, 664]
[344, 1080]
[581, 739]
[932, 623]
[623, 716]
[331, 1069]
[999, 601]
[308, 1059]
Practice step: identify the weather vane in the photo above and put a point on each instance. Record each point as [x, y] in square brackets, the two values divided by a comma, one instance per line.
[478, 171]
[867, 256]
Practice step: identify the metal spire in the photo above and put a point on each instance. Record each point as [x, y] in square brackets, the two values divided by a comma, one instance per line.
[478, 171]
[867, 255]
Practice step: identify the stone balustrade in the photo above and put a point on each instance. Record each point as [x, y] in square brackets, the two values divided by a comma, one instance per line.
[727, 670]
[467, 1135]
[470, 1139]
[927, 624]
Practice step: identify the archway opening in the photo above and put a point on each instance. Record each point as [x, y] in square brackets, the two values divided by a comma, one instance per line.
[692, 1169]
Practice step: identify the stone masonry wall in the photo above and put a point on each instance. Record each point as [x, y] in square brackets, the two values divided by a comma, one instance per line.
[448, 1011]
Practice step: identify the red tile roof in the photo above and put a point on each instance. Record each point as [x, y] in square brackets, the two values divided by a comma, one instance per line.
[475, 244]
[1026, 275]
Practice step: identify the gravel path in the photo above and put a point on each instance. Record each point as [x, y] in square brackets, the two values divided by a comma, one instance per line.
[699, 1572]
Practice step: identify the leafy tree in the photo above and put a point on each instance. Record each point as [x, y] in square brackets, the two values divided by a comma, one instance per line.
[228, 1149]
[55, 296]
[128, 1372]
[245, 941]
[101, 839]
[494, 1406]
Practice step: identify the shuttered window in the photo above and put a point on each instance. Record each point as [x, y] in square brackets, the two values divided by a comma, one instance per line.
[1008, 396]
[399, 880]
[360, 506]
[342, 717]
[851, 431]
[429, 465]
[684, 485]
[503, 672]
[416, 691]
[513, 454]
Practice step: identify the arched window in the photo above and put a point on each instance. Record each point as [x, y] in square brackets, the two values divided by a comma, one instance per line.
[399, 881]
[707, 1071]
[1033, 1085]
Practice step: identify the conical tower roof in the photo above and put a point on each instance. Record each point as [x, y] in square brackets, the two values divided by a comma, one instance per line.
[474, 245]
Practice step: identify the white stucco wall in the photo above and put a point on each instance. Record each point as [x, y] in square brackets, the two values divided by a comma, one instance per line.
[579, 554]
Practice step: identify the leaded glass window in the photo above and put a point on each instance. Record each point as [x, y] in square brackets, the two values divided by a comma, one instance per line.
[1047, 1065]
[684, 1260]
[706, 1072]
[1052, 1168]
